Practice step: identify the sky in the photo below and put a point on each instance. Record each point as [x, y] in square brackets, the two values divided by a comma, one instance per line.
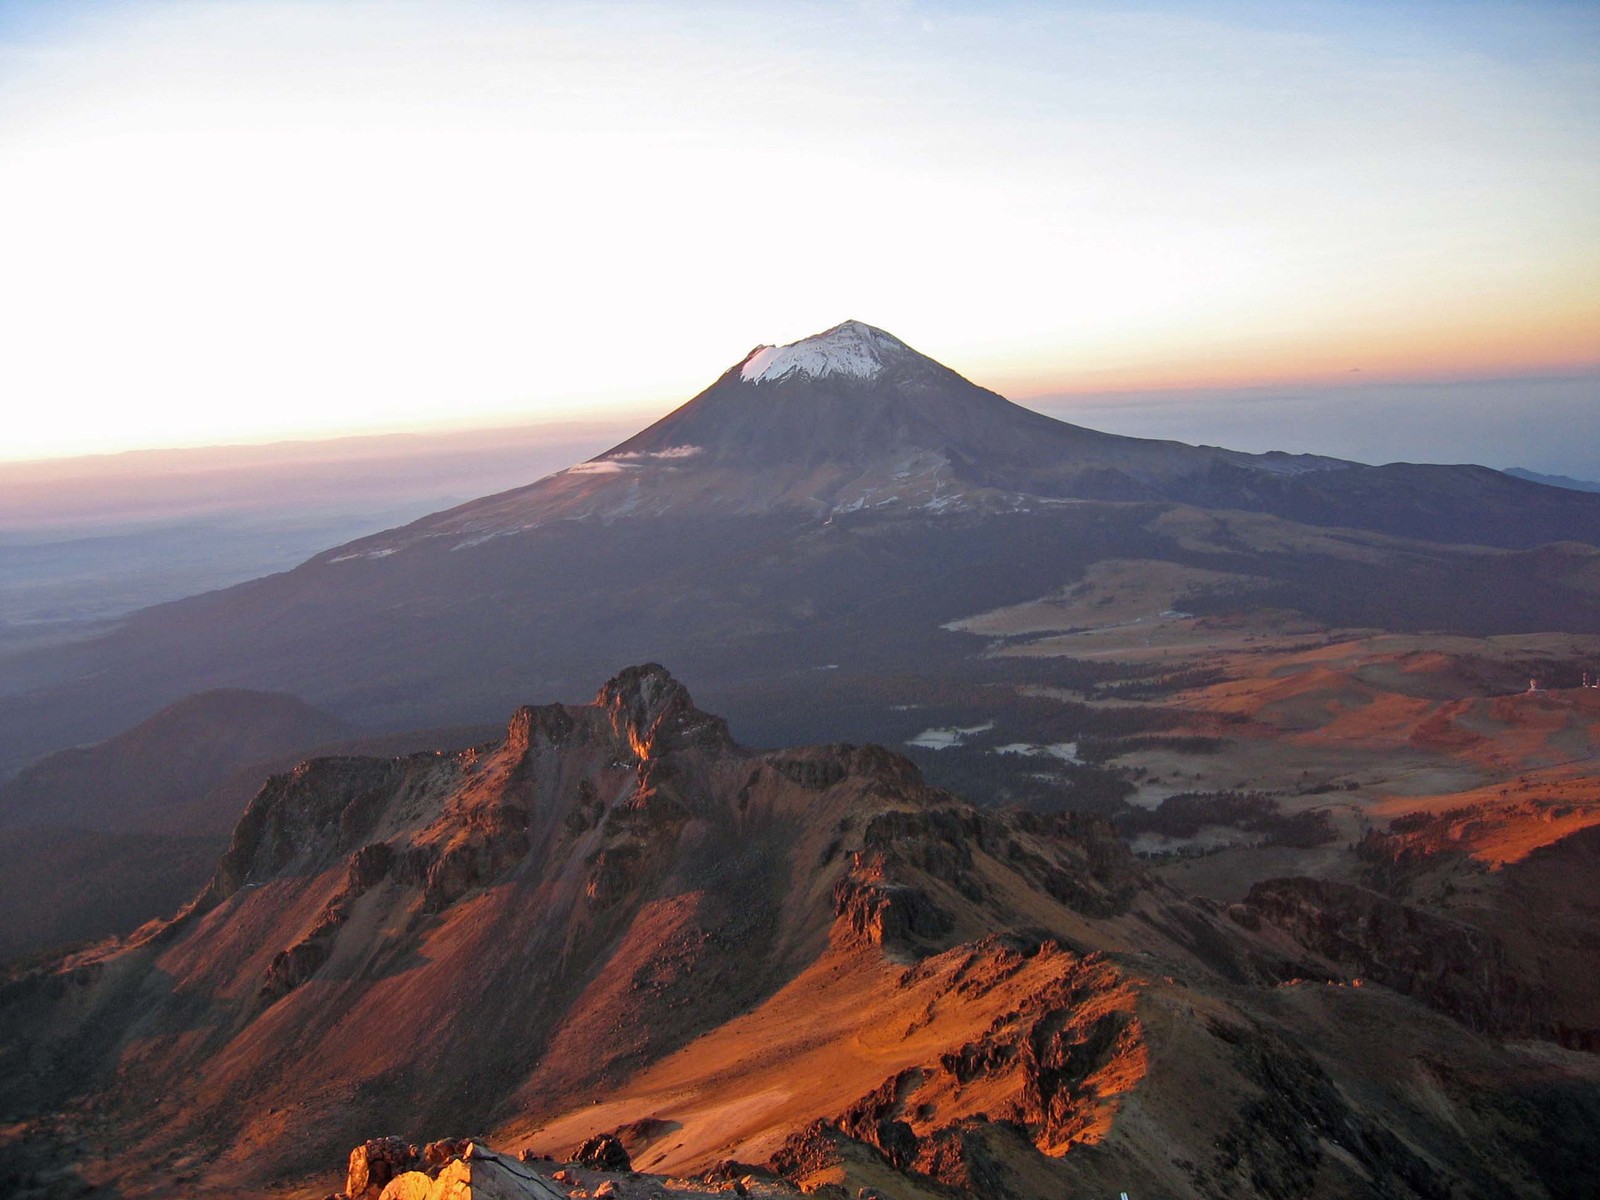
[241, 220]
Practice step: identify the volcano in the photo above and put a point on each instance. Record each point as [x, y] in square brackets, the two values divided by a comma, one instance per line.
[837, 501]
[852, 419]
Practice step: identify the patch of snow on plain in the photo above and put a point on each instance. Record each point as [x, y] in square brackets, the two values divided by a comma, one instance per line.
[1065, 751]
[943, 739]
[851, 349]
[669, 453]
[384, 553]
[481, 538]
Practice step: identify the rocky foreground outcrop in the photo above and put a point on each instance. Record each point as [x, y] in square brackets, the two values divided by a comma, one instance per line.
[450, 938]
[618, 929]
[391, 1169]
[465, 1169]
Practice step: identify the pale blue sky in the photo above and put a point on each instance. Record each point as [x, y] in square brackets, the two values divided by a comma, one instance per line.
[245, 219]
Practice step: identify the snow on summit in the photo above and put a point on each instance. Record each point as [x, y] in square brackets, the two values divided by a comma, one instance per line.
[848, 349]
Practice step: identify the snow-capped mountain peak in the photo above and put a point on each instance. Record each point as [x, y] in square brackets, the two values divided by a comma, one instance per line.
[852, 348]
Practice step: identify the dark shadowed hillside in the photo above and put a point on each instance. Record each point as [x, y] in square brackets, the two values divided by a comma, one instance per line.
[147, 778]
[99, 839]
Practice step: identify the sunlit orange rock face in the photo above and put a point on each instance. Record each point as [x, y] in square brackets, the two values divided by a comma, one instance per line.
[536, 919]
[617, 919]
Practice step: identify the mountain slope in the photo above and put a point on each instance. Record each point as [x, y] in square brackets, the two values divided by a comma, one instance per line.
[146, 778]
[61, 886]
[854, 419]
[801, 517]
[100, 839]
[1560, 481]
[616, 916]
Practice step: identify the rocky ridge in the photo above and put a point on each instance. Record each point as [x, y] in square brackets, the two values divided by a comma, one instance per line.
[609, 818]
[617, 921]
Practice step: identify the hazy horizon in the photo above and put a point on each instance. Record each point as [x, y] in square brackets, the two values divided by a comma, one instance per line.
[257, 219]
[1544, 423]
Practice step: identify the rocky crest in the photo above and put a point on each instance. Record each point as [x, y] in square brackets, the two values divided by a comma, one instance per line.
[615, 877]
[617, 921]
[654, 714]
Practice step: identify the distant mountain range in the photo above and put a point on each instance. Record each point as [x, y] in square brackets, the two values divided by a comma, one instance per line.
[1563, 481]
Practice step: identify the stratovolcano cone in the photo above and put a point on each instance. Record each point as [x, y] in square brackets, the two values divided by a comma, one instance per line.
[852, 394]
[847, 420]
[840, 498]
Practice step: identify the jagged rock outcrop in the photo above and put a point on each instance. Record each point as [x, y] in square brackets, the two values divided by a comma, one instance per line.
[654, 714]
[619, 866]
[550, 724]
[617, 919]
[890, 915]
[603, 1152]
[644, 716]
[1101, 875]
[1051, 1066]
[297, 812]
[452, 1169]
[1455, 968]
[374, 1163]
[289, 968]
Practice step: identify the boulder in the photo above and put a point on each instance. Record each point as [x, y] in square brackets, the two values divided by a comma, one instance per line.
[374, 1163]
[603, 1152]
[484, 1175]
[436, 1154]
[410, 1185]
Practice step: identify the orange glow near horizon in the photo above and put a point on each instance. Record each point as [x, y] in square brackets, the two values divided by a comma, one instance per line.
[1501, 332]
[1531, 344]
[251, 222]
